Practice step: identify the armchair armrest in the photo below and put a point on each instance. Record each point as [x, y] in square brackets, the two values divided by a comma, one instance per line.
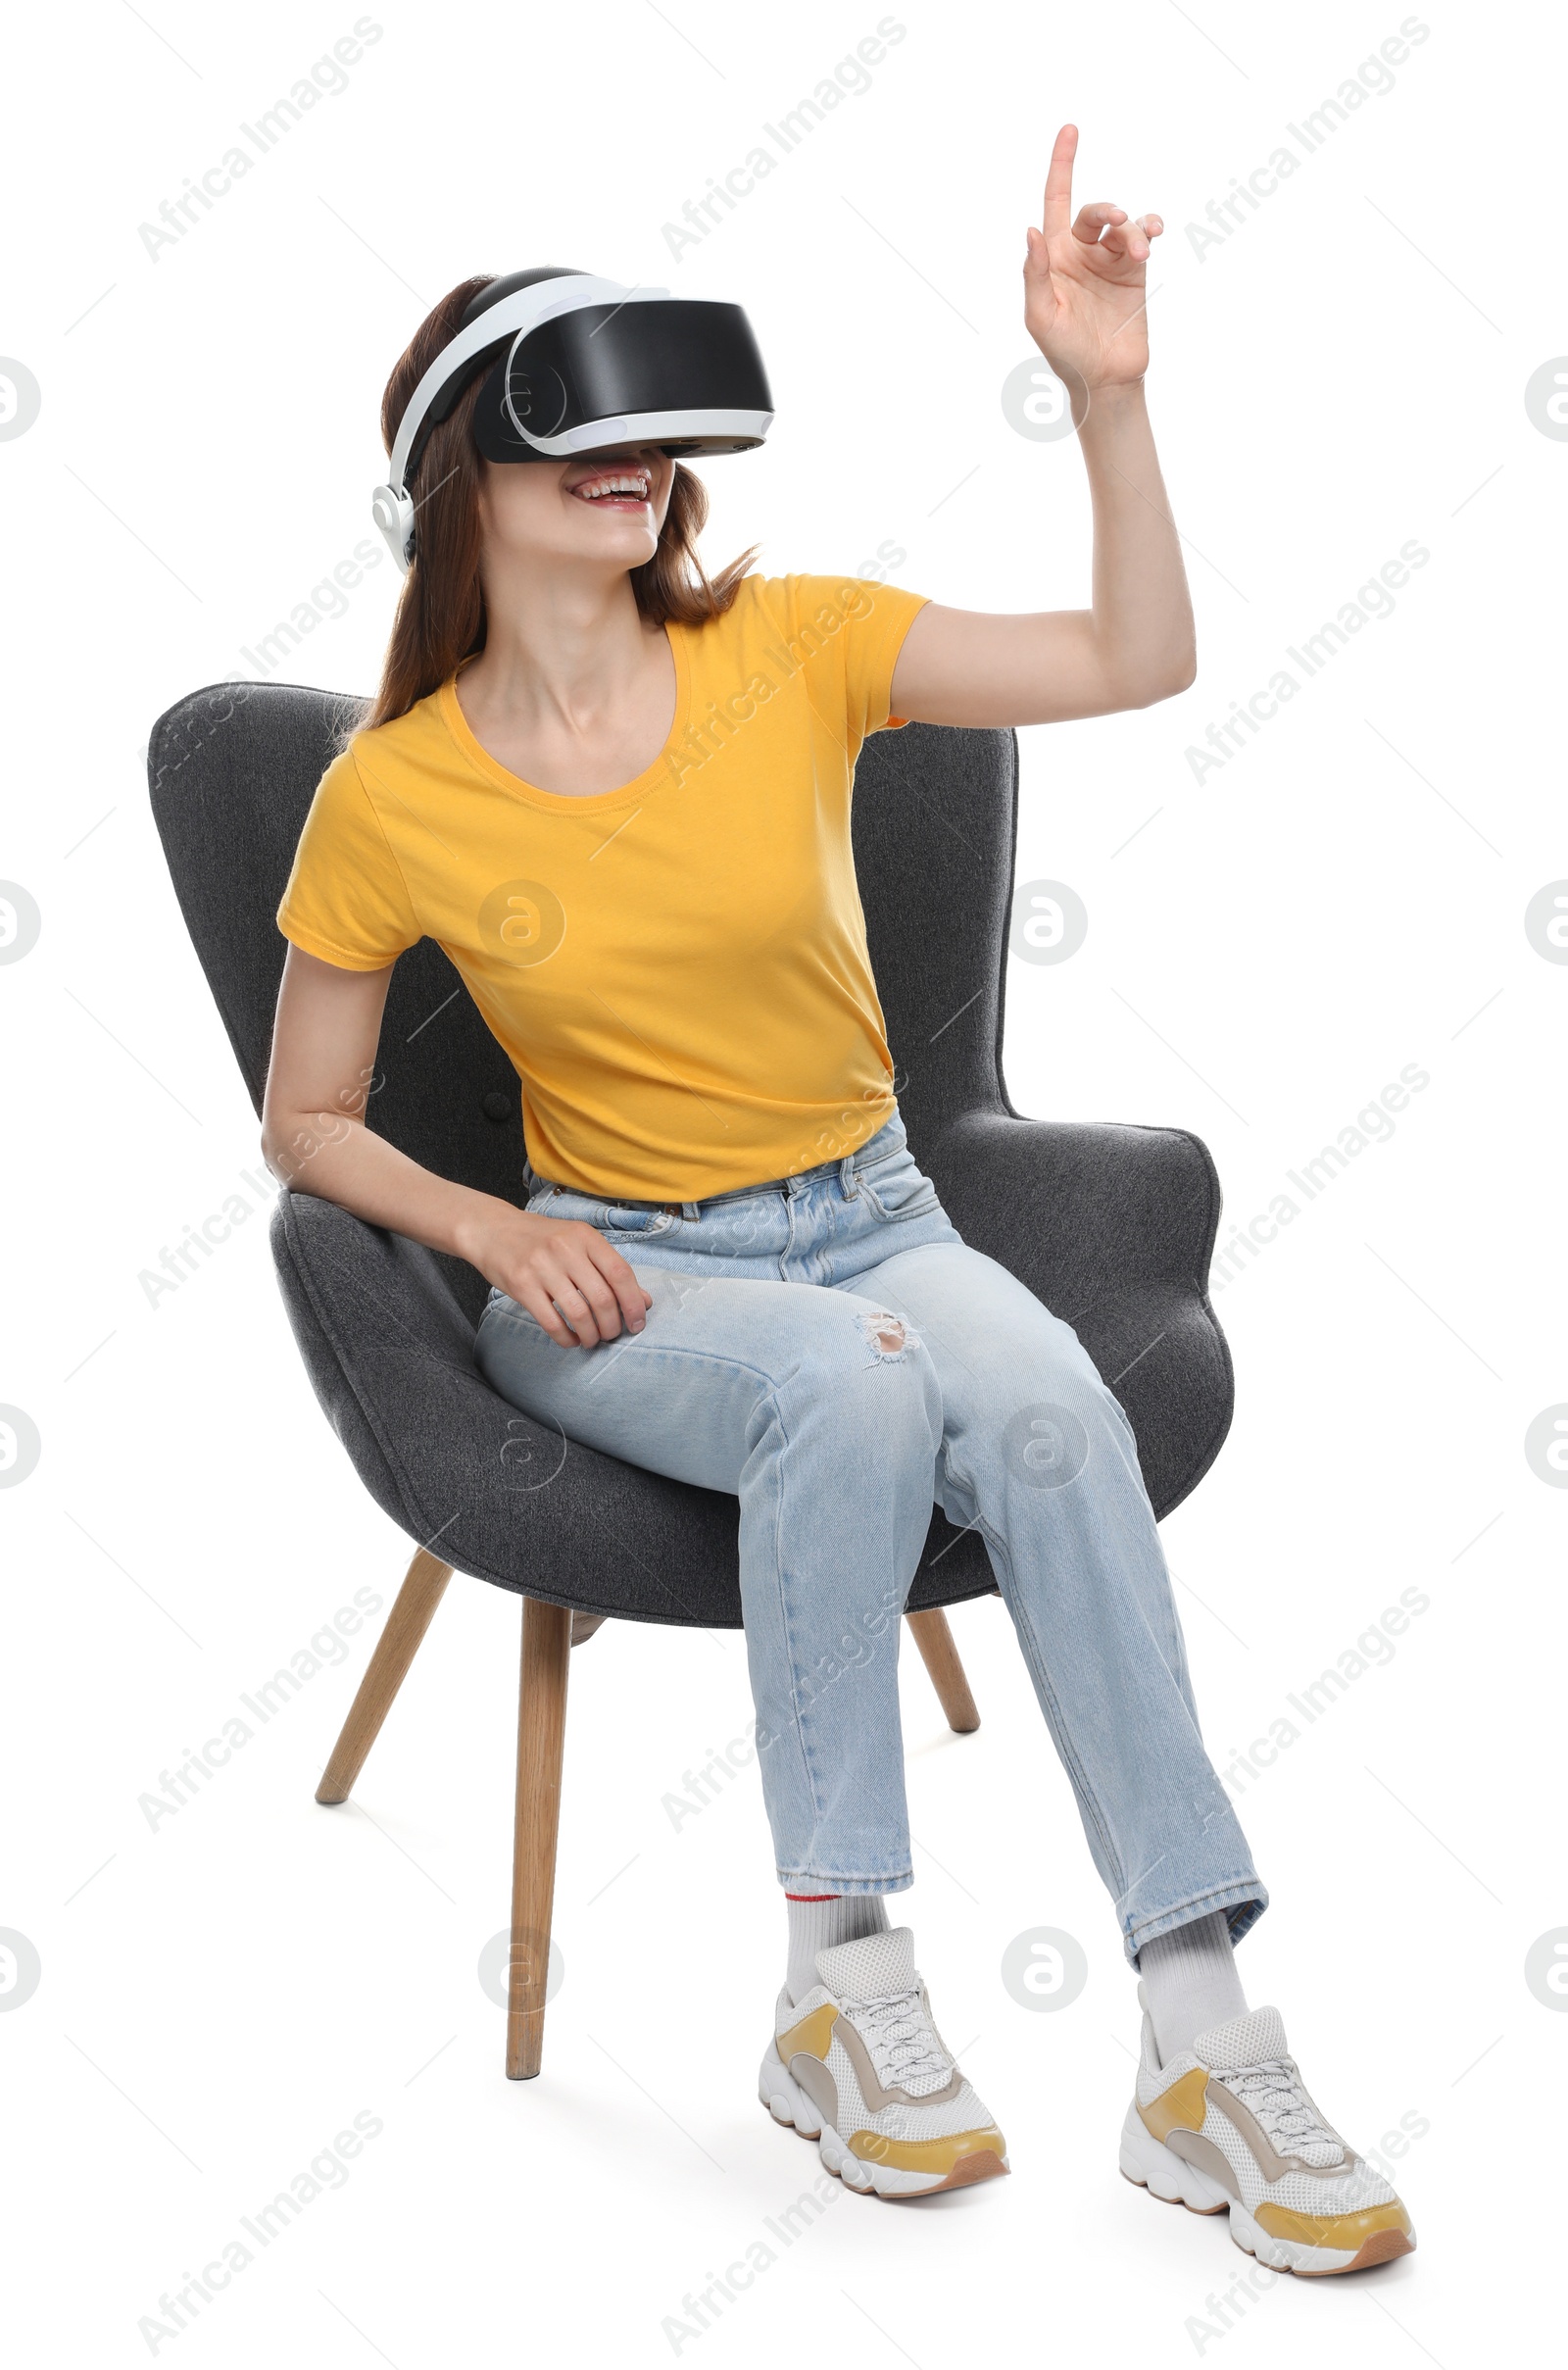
[1077, 1206]
[389, 1351]
[1112, 1227]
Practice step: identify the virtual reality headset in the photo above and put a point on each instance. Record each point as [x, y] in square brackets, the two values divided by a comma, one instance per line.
[577, 364]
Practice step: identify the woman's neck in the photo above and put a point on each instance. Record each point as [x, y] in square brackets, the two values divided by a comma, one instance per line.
[575, 690]
[560, 651]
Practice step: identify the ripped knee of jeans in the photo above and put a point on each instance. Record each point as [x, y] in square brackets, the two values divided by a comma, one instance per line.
[889, 1336]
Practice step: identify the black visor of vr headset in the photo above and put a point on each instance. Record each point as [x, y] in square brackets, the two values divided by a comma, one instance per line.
[575, 363]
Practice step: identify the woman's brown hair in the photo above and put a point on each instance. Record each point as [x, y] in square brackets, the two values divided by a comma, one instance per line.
[440, 616]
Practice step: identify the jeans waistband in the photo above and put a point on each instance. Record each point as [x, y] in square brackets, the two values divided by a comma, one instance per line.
[889, 1138]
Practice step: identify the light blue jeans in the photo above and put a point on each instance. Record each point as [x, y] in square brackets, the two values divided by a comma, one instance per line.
[827, 1349]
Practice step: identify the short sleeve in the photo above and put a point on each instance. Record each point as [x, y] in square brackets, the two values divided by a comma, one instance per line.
[346, 899]
[863, 624]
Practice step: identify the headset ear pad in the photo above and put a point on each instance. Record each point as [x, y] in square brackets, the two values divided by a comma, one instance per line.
[393, 513]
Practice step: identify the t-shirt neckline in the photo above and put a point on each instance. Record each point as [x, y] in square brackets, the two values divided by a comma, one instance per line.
[555, 802]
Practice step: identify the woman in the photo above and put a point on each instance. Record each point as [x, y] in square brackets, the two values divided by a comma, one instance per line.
[619, 797]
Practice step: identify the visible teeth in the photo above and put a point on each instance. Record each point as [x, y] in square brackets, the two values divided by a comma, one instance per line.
[592, 489]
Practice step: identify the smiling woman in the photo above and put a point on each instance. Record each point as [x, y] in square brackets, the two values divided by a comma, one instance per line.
[730, 1267]
[441, 621]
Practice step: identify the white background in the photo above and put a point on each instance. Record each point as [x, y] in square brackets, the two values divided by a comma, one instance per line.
[1267, 948]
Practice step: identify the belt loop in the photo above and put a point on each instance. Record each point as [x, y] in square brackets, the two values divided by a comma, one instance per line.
[691, 1209]
[846, 1178]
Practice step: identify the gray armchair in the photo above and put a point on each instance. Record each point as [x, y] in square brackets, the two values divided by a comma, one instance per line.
[1111, 1226]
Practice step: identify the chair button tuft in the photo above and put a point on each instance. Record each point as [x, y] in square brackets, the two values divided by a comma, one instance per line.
[496, 1106]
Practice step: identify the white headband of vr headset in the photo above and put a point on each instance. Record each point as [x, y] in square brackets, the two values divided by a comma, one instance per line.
[392, 506]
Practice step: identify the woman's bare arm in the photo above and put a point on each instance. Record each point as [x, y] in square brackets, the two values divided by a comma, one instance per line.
[1085, 307]
[1133, 647]
[315, 1140]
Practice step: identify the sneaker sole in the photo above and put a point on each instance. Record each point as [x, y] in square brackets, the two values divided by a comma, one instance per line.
[1149, 2164]
[788, 2103]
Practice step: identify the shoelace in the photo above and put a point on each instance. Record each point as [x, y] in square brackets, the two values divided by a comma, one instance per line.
[1273, 2092]
[902, 2045]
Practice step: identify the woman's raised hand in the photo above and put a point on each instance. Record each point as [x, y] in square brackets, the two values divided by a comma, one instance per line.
[1084, 283]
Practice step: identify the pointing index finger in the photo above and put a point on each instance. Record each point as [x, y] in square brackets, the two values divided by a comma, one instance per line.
[1056, 217]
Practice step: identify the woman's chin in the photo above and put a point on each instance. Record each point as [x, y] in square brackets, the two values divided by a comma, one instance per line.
[619, 543]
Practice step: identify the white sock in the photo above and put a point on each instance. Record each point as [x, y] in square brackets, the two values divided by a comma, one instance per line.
[819, 1921]
[1189, 1982]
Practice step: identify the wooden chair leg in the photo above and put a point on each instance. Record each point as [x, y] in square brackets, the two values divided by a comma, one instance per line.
[421, 1591]
[941, 1657]
[541, 1737]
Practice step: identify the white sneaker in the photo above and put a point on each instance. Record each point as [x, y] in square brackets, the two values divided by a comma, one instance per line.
[858, 2066]
[1229, 2126]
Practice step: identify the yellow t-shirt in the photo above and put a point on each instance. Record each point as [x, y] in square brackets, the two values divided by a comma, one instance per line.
[677, 969]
